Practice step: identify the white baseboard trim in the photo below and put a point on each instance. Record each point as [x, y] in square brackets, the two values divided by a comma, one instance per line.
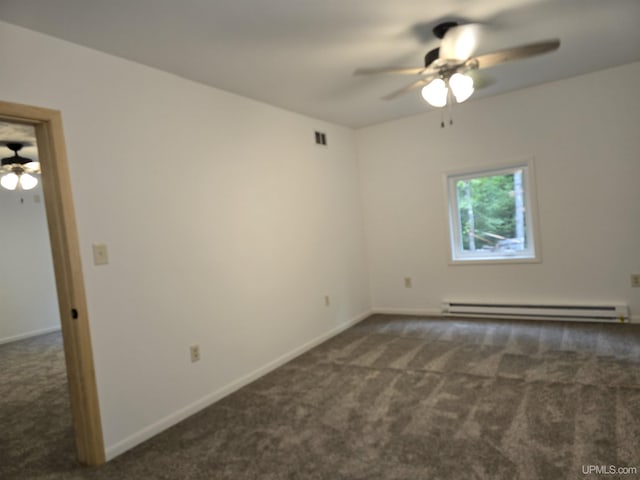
[427, 312]
[131, 441]
[33, 333]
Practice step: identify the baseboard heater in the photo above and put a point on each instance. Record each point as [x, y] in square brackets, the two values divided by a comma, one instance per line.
[587, 313]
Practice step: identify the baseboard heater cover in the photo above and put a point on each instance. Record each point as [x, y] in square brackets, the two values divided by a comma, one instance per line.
[614, 312]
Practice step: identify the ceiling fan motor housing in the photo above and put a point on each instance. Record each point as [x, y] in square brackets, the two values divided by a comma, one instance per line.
[16, 159]
[441, 29]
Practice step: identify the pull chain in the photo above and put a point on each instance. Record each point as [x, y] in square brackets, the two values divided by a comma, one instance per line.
[449, 107]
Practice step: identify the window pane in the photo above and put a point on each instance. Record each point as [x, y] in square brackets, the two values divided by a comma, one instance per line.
[490, 220]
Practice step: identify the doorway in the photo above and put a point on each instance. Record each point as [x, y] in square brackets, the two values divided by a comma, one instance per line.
[56, 188]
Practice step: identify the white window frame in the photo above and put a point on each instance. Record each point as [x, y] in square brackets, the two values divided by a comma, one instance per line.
[457, 256]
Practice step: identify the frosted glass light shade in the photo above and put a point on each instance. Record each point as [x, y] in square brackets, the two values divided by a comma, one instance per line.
[435, 93]
[33, 166]
[9, 181]
[461, 86]
[27, 182]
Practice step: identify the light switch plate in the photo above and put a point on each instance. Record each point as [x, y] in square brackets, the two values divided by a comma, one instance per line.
[100, 255]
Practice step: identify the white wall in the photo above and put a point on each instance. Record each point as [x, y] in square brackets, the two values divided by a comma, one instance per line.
[583, 134]
[28, 302]
[226, 226]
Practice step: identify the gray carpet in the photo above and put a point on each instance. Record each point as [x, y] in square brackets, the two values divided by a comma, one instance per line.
[391, 398]
[35, 419]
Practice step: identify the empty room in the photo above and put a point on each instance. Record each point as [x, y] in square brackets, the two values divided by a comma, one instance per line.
[319, 240]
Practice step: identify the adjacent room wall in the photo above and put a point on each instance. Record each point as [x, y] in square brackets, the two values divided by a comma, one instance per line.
[583, 136]
[225, 224]
[28, 302]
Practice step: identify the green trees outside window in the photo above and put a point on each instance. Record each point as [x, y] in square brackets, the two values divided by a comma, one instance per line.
[491, 211]
[490, 214]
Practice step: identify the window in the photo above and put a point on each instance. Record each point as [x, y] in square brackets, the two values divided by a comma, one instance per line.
[491, 215]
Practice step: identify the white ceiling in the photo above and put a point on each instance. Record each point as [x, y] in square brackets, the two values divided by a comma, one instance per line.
[301, 54]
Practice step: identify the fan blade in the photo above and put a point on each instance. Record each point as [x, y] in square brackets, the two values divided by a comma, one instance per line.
[15, 159]
[461, 42]
[32, 167]
[417, 84]
[400, 70]
[516, 53]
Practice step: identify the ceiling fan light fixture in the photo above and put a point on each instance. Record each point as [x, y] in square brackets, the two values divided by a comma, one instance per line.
[435, 93]
[461, 86]
[18, 169]
[27, 182]
[9, 181]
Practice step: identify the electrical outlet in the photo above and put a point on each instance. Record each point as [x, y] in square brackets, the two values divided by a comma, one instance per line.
[195, 353]
[407, 282]
[327, 300]
[635, 280]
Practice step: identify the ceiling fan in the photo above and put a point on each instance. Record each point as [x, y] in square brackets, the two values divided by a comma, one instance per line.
[18, 171]
[449, 70]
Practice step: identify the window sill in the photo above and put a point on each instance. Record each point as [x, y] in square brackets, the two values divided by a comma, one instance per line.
[493, 261]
